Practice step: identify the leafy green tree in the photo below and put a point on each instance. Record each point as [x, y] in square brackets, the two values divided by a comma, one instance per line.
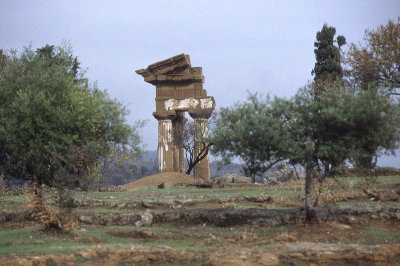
[53, 126]
[328, 130]
[252, 131]
[327, 67]
[318, 133]
[376, 127]
[376, 62]
[374, 65]
[319, 140]
[3, 59]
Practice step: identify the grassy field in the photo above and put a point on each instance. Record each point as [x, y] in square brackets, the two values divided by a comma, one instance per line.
[21, 237]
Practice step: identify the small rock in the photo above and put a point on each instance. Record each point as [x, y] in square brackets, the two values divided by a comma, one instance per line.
[285, 237]
[145, 219]
[147, 234]
[260, 198]
[352, 220]
[269, 259]
[341, 226]
[86, 219]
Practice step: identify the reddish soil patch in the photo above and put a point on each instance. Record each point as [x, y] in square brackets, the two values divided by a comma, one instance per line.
[168, 178]
[324, 233]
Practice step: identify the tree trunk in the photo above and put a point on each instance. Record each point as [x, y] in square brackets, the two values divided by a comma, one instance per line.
[311, 214]
[202, 154]
[37, 187]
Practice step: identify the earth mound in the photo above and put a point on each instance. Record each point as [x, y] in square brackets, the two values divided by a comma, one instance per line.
[168, 178]
[228, 179]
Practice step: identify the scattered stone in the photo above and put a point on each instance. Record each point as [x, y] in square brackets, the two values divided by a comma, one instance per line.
[335, 254]
[203, 183]
[284, 253]
[352, 220]
[341, 226]
[145, 219]
[229, 179]
[285, 238]
[113, 189]
[267, 258]
[274, 217]
[260, 198]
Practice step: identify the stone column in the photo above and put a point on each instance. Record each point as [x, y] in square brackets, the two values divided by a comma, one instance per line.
[201, 169]
[179, 153]
[165, 142]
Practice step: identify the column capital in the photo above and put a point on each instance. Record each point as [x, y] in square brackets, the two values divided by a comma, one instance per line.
[201, 113]
[169, 115]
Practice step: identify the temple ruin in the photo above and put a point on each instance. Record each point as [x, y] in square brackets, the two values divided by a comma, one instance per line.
[179, 89]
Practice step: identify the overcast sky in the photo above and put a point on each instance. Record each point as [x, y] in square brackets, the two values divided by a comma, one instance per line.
[256, 46]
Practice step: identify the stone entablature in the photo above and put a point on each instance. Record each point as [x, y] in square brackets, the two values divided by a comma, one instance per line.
[179, 89]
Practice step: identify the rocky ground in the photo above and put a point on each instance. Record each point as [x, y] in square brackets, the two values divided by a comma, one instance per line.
[227, 221]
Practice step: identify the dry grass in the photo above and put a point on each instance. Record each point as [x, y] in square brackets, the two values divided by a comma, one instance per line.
[48, 216]
[168, 178]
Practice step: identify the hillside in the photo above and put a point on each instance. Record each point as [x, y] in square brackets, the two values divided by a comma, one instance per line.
[146, 165]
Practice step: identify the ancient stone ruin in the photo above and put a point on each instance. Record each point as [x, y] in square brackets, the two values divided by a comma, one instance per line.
[179, 89]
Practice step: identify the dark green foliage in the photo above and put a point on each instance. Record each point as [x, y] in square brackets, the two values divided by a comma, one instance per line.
[320, 130]
[376, 121]
[3, 59]
[327, 55]
[48, 53]
[338, 126]
[318, 133]
[53, 126]
[254, 131]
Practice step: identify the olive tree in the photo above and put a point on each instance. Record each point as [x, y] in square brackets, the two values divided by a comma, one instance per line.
[53, 126]
[319, 133]
[255, 132]
[337, 126]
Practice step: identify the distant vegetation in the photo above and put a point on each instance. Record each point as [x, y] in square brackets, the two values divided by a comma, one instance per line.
[333, 121]
[146, 164]
[55, 129]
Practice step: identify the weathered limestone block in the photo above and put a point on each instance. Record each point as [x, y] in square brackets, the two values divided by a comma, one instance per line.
[179, 152]
[165, 143]
[200, 116]
[178, 63]
[179, 89]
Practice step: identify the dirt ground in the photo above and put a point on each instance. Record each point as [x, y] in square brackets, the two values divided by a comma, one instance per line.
[168, 178]
[191, 225]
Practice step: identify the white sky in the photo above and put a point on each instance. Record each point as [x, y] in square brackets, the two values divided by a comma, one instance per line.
[256, 46]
